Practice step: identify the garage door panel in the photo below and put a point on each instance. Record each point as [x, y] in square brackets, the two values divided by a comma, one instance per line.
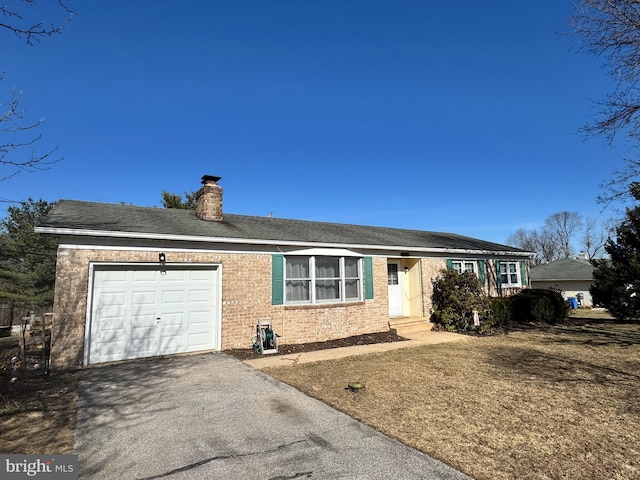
[144, 298]
[172, 296]
[200, 276]
[111, 323]
[145, 312]
[198, 341]
[177, 276]
[171, 344]
[199, 319]
[143, 319]
[139, 348]
[143, 276]
[173, 320]
[200, 295]
[113, 299]
[112, 352]
[112, 276]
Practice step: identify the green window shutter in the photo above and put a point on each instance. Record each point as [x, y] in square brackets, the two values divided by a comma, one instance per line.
[368, 278]
[481, 272]
[449, 264]
[277, 279]
[498, 282]
[523, 273]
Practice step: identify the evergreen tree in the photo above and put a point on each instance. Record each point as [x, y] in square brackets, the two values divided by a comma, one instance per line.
[173, 200]
[616, 281]
[27, 259]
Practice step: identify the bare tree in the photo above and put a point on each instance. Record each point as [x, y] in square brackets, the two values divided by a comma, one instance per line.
[595, 236]
[18, 137]
[554, 240]
[545, 245]
[525, 239]
[18, 140]
[611, 30]
[17, 19]
[563, 227]
[550, 247]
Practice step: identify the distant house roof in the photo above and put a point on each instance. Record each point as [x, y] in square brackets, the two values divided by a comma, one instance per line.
[565, 269]
[71, 217]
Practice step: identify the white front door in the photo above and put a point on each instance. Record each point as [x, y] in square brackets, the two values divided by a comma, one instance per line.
[395, 290]
[146, 311]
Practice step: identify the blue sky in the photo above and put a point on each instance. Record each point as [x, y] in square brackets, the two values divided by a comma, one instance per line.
[447, 116]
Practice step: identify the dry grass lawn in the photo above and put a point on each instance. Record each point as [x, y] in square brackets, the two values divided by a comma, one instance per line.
[37, 413]
[554, 403]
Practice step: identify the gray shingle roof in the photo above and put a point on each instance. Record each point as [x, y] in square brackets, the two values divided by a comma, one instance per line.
[565, 269]
[77, 217]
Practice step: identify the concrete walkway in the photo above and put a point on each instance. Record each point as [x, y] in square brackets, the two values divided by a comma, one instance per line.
[415, 339]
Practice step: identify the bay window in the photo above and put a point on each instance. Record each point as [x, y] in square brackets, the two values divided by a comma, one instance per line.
[322, 279]
[298, 284]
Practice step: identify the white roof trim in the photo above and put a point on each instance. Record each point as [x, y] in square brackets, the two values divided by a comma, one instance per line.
[194, 238]
[342, 252]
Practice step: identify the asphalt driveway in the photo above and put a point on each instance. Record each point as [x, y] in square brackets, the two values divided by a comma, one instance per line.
[212, 417]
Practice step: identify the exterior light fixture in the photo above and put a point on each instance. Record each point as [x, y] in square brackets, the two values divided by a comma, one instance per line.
[162, 258]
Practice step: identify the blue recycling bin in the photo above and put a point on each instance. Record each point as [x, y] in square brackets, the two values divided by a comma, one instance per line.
[573, 302]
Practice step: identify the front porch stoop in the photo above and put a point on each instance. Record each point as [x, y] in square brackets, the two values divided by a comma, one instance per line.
[404, 326]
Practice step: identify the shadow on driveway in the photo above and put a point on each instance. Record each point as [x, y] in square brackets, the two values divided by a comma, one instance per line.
[210, 416]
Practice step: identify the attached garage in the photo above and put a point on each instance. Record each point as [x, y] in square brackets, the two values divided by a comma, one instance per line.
[141, 311]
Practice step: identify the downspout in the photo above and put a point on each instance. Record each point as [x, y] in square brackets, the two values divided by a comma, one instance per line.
[421, 289]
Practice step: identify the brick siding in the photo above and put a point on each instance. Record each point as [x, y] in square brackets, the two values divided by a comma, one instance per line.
[246, 298]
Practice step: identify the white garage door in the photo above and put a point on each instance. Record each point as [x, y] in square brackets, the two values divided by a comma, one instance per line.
[145, 311]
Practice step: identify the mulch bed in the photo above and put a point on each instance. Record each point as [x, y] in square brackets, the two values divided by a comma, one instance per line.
[366, 339]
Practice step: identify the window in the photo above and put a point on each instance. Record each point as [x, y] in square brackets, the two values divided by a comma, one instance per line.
[298, 284]
[392, 274]
[463, 266]
[475, 266]
[351, 279]
[509, 274]
[320, 279]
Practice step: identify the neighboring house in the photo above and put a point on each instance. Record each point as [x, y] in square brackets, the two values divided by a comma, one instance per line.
[137, 281]
[573, 276]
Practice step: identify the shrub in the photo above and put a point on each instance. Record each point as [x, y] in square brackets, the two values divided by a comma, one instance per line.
[455, 297]
[539, 305]
[501, 312]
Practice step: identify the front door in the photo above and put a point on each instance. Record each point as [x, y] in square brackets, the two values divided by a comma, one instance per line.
[395, 290]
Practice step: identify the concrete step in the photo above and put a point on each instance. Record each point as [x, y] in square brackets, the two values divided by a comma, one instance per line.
[408, 325]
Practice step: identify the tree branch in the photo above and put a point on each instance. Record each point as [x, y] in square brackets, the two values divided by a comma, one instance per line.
[17, 138]
[32, 32]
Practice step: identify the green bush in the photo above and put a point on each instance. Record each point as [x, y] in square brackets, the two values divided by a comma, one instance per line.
[501, 314]
[539, 305]
[455, 297]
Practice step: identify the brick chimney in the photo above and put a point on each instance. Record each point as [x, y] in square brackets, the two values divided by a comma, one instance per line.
[209, 199]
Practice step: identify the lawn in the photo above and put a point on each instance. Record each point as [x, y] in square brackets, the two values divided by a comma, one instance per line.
[37, 412]
[542, 403]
